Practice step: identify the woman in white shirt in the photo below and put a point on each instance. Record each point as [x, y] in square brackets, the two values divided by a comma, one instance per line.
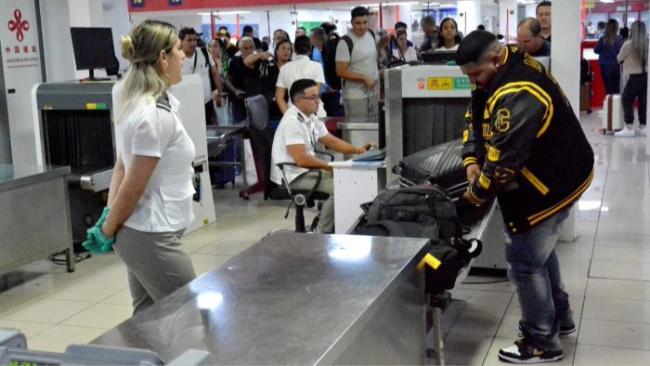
[448, 38]
[150, 196]
[634, 56]
[403, 51]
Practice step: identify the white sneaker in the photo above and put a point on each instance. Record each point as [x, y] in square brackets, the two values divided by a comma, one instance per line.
[625, 132]
[640, 131]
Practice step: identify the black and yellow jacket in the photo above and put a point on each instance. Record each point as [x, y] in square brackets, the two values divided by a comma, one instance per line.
[533, 153]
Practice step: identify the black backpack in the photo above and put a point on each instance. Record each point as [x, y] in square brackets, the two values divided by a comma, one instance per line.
[329, 58]
[423, 211]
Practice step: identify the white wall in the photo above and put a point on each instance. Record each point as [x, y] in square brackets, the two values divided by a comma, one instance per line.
[116, 16]
[471, 11]
[508, 7]
[57, 44]
[531, 10]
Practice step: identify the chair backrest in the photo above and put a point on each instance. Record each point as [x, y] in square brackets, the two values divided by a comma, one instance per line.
[257, 110]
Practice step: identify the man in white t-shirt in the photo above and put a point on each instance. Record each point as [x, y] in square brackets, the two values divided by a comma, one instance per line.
[358, 69]
[300, 68]
[202, 65]
[295, 141]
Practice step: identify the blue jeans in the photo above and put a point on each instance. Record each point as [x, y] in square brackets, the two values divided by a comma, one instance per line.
[535, 271]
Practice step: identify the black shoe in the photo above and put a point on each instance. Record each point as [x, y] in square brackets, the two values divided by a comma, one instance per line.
[565, 330]
[525, 352]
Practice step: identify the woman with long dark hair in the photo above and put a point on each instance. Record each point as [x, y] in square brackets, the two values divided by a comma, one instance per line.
[448, 38]
[634, 56]
[607, 49]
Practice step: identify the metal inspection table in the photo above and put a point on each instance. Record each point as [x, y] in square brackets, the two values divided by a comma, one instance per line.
[295, 299]
[35, 220]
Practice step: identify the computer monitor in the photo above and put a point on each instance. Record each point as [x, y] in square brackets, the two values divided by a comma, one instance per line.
[93, 49]
[439, 57]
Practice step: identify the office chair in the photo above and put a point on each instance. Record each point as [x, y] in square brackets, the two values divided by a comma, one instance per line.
[262, 143]
[304, 198]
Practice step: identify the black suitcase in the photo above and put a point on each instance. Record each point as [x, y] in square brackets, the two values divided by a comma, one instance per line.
[441, 165]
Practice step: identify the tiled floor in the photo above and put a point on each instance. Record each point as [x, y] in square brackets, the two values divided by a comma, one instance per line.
[606, 272]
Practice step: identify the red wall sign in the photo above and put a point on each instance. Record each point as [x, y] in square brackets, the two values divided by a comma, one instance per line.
[164, 5]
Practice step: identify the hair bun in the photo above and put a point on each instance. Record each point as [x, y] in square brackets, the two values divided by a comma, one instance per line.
[128, 51]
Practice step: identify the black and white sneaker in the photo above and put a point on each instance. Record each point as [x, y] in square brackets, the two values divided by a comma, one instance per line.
[524, 352]
[565, 330]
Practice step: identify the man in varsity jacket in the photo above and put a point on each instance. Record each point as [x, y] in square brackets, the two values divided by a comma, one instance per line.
[525, 145]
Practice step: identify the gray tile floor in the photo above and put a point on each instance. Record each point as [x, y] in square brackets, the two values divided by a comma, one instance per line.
[606, 271]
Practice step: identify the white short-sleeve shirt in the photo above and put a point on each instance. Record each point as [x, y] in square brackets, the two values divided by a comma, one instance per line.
[363, 60]
[409, 56]
[295, 128]
[301, 68]
[197, 65]
[153, 128]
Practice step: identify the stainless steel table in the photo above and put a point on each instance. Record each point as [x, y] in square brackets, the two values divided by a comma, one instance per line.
[35, 220]
[296, 299]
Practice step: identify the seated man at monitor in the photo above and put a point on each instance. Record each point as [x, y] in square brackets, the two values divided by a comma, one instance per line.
[296, 140]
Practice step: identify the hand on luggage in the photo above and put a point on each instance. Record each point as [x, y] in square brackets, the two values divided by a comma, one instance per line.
[472, 171]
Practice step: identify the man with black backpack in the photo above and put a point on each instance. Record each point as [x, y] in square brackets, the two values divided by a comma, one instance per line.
[356, 64]
[332, 96]
[202, 65]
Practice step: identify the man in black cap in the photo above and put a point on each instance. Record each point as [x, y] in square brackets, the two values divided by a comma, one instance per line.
[525, 145]
[248, 32]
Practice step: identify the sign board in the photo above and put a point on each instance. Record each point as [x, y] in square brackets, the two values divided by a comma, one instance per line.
[21, 66]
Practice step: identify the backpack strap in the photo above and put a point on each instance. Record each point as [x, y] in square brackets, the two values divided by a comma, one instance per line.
[349, 42]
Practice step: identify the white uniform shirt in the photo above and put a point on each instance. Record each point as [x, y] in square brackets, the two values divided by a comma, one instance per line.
[155, 130]
[295, 128]
[445, 49]
[197, 65]
[409, 56]
[301, 68]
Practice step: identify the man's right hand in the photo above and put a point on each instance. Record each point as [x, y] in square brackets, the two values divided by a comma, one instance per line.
[472, 171]
[369, 83]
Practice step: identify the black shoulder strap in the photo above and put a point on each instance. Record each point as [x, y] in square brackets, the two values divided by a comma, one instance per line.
[204, 51]
[349, 42]
[195, 58]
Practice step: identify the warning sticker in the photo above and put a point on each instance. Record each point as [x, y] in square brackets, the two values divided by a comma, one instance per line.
[440, 83]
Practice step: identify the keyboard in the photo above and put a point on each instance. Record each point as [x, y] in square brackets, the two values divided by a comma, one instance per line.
[371, 155]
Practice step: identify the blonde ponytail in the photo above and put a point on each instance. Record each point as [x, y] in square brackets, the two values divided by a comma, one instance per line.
[142, 48]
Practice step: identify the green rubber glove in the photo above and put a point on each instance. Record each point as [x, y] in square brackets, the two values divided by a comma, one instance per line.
[97, 242]
[103, 217]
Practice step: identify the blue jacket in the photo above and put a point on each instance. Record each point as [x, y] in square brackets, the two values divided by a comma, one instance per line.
[607, 53]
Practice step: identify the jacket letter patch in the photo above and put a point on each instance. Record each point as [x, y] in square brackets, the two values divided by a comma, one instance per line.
[502, 120]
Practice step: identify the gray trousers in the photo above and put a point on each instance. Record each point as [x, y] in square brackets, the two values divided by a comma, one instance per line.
[306, 181]
[362, 110]
[157, 266]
